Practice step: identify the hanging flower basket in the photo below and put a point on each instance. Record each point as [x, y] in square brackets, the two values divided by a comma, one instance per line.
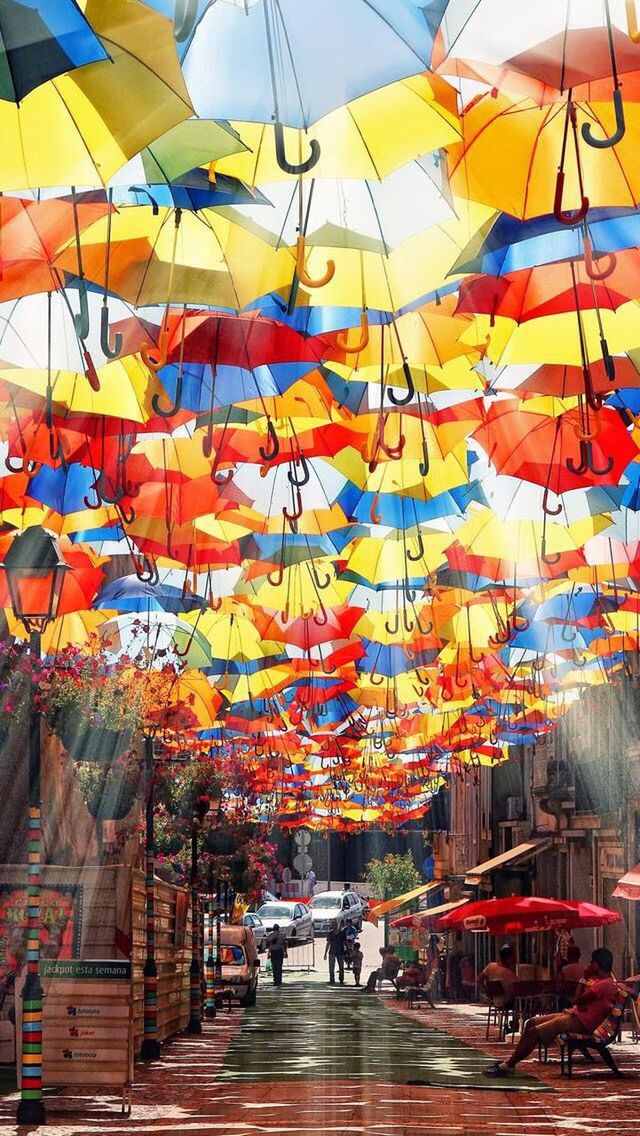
[108, 794]
[84, 741]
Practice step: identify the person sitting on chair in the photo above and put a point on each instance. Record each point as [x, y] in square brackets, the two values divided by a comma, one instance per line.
[593, 1002]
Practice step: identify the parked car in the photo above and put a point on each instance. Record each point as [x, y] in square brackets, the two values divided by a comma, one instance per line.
[253, 920]
[239, 962]
[292, 918]
[340, 905]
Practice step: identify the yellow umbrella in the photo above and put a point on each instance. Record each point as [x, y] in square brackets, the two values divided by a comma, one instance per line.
[381, 560]
[298, 593]
[366, 138]
[525, 142]
[80, 128]
[179, 257]
[233, 634]
[126, 388]
[555, 339]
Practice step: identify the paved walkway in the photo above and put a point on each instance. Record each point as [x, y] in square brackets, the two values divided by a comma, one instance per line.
[332, 1061]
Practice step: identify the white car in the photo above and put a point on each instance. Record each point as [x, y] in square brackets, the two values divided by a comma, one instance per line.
[339, 905]
[292, 918]
[253, 920]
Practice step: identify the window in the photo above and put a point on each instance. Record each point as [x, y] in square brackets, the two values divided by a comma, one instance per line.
[229, 956]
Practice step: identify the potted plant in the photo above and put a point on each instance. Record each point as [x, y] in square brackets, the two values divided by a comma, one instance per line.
[90, 706]
[109, 793]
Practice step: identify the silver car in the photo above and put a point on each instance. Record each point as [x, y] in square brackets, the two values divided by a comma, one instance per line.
[291, 917]
[339, 905]
[253, 920]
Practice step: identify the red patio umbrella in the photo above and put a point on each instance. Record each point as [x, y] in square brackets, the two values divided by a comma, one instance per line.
[516, 914]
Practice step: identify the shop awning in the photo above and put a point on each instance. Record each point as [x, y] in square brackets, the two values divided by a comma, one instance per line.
[628, 887]
[426, 919]
[388, 905]
[518, 855]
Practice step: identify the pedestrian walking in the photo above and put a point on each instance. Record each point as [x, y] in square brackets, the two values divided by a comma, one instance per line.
[356, 962]
[335, 947]
[277, 952]
[350, 936]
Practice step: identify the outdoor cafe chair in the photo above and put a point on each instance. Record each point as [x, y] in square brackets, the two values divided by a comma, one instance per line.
[496, 1013]
[601, 1039]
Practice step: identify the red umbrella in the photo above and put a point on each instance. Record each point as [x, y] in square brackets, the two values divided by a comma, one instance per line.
[238, 341]
[520, 913]
[548, 451]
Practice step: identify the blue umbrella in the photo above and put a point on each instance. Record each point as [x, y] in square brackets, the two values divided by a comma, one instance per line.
[192, 191]
[511, 245]
[39, 40]
[128, 593]
[293, 62]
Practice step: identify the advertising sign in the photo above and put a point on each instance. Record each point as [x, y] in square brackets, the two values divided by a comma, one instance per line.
[61, 918]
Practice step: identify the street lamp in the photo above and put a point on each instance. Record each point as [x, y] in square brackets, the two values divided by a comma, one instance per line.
[150, 1050]
[195, 970]
[35, 571]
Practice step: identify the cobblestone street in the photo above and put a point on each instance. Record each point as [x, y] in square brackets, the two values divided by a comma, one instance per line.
[274, 1071]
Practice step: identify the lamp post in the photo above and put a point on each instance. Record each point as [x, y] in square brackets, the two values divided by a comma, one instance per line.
[195, 970]
[150, 1050]
[35, 571]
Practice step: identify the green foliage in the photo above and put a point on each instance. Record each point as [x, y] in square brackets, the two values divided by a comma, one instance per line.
[109, 793]
[392, 876]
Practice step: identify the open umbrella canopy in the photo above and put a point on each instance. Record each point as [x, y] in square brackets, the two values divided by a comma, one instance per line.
[331, 395]
[516, 914]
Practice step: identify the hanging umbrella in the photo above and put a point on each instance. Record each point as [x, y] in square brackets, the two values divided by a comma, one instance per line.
[265, 61]
[72, 130]
[533, 139]
[359, 140]
[567, 46]
[39, 42]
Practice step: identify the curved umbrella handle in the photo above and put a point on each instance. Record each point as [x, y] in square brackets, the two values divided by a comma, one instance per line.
[567, 218]
[303, 275]
[376, 518]
[81, 319]
[423, 466]
[404, 399]
[270, 454]
[294, 517]
[127, 518]
[546, 507]
[276, 578]
[632, 21]
[342, 338]
[322, 587]
[25, 465]
[184, 20]
[169, 411]
[221, 477]
[107, 349]
[321, 622]
[293, 477]
[375, 678]
[583, 463]
[281, 156]
[148, 573]
[392, 629]
[419, 554]
[158, 360]
[619, 132]
[592, 272]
